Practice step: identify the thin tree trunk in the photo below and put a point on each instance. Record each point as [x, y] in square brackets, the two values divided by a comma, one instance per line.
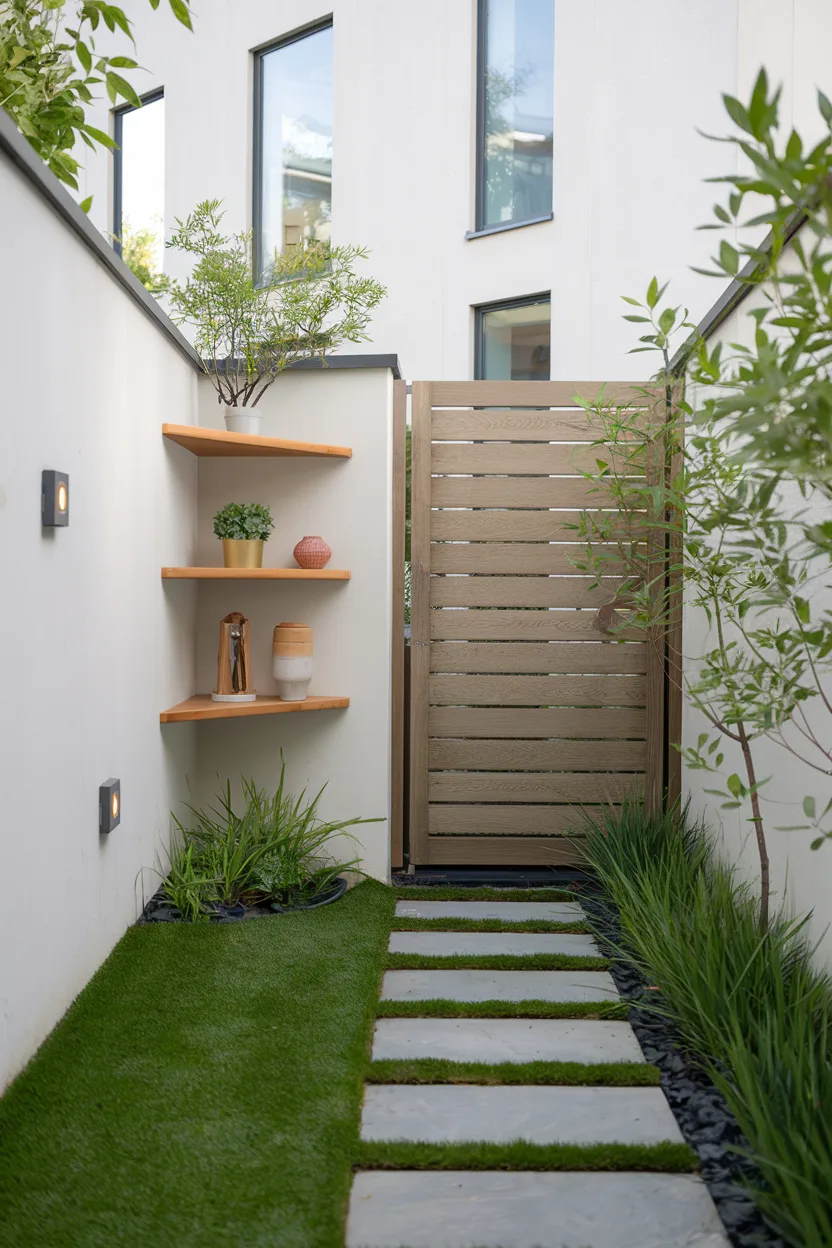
[757, 820]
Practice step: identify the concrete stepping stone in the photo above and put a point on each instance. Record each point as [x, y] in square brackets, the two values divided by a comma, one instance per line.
[579, 986]
[505, 1040]
[509, 911]
[452, 1113]
[482, 944]
[450, 1209]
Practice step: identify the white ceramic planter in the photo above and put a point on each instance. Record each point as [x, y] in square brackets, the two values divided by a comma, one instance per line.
[241, 420]
[293, 674]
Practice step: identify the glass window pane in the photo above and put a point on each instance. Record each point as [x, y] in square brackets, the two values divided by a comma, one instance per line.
[296, 143]
[514, 344]
[141, 172]
[518, 107]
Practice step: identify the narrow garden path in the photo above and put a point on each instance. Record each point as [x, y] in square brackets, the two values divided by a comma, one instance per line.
[509, 1104]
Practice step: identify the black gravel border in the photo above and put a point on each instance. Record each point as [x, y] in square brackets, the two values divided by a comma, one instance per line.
[705, 1120]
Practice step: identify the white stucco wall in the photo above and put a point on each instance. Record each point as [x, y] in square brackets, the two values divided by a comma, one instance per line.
[633, 81]
[347, 502]
[92, 644]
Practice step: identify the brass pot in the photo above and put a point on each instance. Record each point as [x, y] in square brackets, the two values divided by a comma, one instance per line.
[245, 553]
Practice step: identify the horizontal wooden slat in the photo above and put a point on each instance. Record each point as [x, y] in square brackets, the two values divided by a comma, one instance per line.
[537, 690]
[521, 459]
[516, 557]
[483, 755]
[517, 492]
[455, 721]
[485, 625]
[538, 657]
[521, 425]
[542, 786]
[538, 393]
[508, 820]
[517, 526]
[521, 591]
[528, 851]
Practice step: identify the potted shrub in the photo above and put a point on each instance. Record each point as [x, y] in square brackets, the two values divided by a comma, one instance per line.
[250, 327]
[242, 529]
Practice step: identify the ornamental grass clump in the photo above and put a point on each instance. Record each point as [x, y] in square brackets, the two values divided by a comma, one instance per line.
[749, 1006]
[277, 850]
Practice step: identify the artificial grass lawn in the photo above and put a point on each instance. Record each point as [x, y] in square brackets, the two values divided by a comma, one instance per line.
[495, 962]
[573, 1074]
[205, 1088]
[446, 893]
[439, 1007]
[402, 924]
[520, 1155]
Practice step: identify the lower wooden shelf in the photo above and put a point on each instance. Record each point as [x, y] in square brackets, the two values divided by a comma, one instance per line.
[201, 706]
[255, 574]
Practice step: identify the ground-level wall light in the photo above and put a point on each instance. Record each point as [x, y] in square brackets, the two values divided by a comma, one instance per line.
[109, 805]
[54, 499]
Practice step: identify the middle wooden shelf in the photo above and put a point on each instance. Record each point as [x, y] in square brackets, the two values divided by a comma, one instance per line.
[255, 574]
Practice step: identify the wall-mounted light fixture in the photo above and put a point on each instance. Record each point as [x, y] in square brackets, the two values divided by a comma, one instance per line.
[54, 499]
[109, 805]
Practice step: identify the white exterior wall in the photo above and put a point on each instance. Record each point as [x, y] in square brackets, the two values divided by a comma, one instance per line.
[348, 502]
[92, 645]
[633, 81]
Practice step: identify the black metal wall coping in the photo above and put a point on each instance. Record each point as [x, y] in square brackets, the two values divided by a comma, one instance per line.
[25, 158]
[733, 295]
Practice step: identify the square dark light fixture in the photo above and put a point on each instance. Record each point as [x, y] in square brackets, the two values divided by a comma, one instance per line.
[54, 499]
[109, 805]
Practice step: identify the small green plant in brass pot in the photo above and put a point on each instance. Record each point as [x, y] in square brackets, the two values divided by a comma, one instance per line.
[242, 529]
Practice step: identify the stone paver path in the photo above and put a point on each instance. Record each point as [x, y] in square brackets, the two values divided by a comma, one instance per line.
[520, 1209]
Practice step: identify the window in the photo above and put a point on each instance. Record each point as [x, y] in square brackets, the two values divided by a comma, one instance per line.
[293, 142]
[139, 184]
[513, 338]
[515, 111]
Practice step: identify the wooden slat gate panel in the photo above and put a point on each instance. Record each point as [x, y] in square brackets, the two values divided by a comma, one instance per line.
[521, 714]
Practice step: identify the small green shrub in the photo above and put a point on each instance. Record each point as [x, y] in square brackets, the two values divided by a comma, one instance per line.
[750, 1006]
[276, 850]
[244, 522]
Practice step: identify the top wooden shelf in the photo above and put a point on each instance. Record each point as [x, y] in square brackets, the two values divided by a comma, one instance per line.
[218, 442]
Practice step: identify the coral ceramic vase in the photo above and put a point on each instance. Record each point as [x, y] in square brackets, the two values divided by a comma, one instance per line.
[312, 552]
[292, 661]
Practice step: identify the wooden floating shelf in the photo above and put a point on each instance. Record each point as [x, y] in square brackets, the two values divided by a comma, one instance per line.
[201, 706]
[218, 442]
[255, 574]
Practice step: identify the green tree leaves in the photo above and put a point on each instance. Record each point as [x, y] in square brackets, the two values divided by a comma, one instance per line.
[49, 69]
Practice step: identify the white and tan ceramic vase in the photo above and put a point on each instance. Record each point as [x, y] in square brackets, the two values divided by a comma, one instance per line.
[292, 661]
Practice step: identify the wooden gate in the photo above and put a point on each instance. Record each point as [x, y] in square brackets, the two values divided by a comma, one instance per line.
[521, 714]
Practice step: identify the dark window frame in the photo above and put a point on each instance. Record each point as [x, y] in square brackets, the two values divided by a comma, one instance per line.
[480, 227]
[262, 50]
[500, 305]
[151, 97]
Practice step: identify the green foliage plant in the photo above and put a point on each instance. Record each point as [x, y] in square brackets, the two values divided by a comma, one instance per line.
[50, 70]
[240, 522]
[749, 1006]
[739, 498]
[250, 327]
[138, 251]
[275, 850]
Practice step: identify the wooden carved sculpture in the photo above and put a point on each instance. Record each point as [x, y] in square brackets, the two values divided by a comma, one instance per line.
[234, 660]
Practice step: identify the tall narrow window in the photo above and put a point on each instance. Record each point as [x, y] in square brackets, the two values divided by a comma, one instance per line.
[139, 186]
[293, 143]
[515, 106]
[513, 340]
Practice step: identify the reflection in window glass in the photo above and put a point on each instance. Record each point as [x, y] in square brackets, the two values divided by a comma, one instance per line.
[295, 149]
[517, 106]
[514, 342]
[139, 186]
